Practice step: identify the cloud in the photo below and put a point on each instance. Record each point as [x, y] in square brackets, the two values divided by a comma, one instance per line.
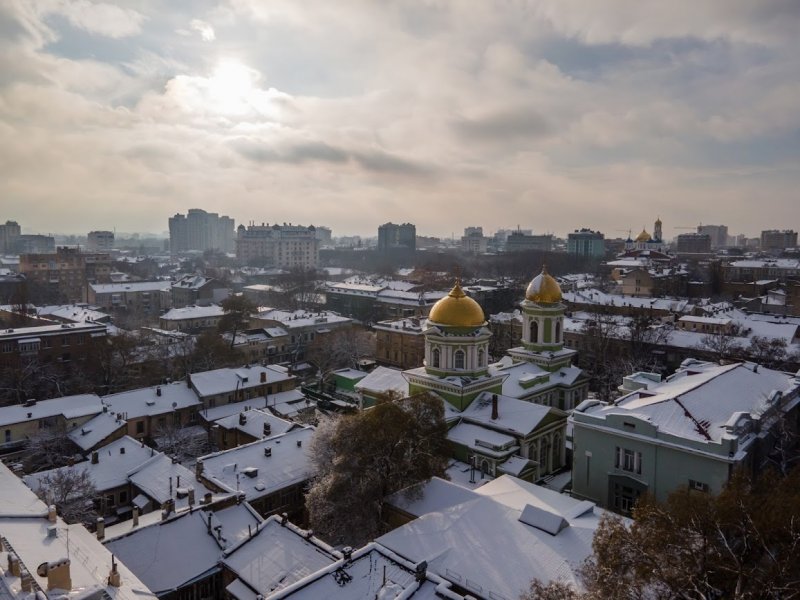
[96, 17]
[205, 30]
[505, 125]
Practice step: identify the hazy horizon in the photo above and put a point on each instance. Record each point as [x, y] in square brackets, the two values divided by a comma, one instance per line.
[551, 115]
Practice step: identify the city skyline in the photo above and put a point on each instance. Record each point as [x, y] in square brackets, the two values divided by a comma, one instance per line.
[552, 116]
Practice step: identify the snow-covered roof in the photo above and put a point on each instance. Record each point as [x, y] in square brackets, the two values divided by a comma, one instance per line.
[525, 379]
[193, 282]
[249, 469]
[480, 439]
[16, 500]
[698, 401]
[517, 417]
[596, 297]
[71, 407]
[155, 400]
[302, 318]
[227, 380]
[114, 462]
[162, 479]
[130, 286]
[768, 263]
[276, 556]
[353, 374]
[382, 380]
[73, 312]
[170, 553]
[493, 540]
[254, 421]
[57, 329]
[280, 402]
[95, 430]
[193, 312]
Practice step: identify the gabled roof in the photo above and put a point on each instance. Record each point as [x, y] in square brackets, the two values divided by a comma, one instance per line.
[517, 417]
[155, 400]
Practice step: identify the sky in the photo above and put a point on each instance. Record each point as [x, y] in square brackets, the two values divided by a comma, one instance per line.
[550, 115]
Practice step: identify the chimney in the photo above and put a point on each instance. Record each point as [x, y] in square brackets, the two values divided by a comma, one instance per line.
[284, 518]
[13, 565]
[299, 443]
[135, 516]
[52, 531]
[421, 571]
[122, 450]
[495, 414]
[268, 452]
[191, 496]
[57, 573]
[242, 419]
[95, 457]
[170, 485]
[263, 377]
[178, 481]
[267, 429]
[158, 391]
[347, 554]
[101, 528]
[198, 469]
[26, 582]
[114, 579]
[207, 498]
[51, 513]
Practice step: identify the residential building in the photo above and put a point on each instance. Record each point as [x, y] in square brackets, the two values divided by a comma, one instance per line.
[693, 243]
[152, 411]
[776, 240]
[521, 242]
[400, 343]
[65, 274]
[197, 290]
[199, 230]
[397, 238]
[45, 557]
[137, 297]
[654, 281]
[191, 319]
[57, 345]
[490, 542]
[587, 243]
[227, 386]
[473, 241]
[323, 235]
[34, 244]
[762, 269]
[302, 327]
[272, 473]
[506, 328]
[279, 246]
[264, 344]
[690, 431]
[9, 233]
[717, 233]
[248, 426]
[102, 241]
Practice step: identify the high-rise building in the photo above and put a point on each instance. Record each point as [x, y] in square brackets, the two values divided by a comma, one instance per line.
[774, 239]
[324, 235]
[588, 243]
[8, 236]
[66, 273]
[100, 240]
[201, 230]
[282, 246]
[693, 243]
[393, 237]
[717, 233]
[518, 241]
[473, 241]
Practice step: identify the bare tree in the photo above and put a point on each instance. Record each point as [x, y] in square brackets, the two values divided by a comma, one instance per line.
[722, 345]
[181, 442]
[555, 590]
[72, 491]
[48, 448]
[341, 348]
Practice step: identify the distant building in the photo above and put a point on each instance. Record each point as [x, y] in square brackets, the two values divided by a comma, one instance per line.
[717, 233]
[473, 241]
[323, 235]
[66, 273]
[8, 236]
[33, 244]
[400, 343]
[200, 230]
[586, 243]
[393, 237]
[100, 240]
[774, 239]
[197, 290]
[520, 242]
[279, 246]
[145, 297]
[49, 344]
[694, 243]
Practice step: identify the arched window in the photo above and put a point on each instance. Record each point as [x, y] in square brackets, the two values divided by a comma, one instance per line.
[458, 359]
[480, 357]
[558, 331]
[435, 357]
[534, 332]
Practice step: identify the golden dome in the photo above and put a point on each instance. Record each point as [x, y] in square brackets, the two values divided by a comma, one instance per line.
[544, 289]
[643, 237]
[457, 310]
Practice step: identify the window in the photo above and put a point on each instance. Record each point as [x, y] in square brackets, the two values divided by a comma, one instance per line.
[110, 501]
[458, 359]
[123, 497]
[534, 332]
[628, 460]
[558, 331]
[625, 498]
[139, 426]
[435, 357]
[8, 347]
[8, 436]
[698, 485]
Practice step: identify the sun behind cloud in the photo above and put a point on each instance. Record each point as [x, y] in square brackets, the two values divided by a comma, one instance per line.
[231, 87]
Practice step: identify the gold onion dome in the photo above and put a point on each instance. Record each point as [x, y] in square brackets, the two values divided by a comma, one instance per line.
[457, 310]
[544, 289]
[643, 237]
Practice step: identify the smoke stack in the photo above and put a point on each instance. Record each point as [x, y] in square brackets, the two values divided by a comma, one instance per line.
[158, 391]
[51, 513]
[263, 377]
[95, 457]
[135, 516]
[114, 579]
[242, 419]
[57, 573]
[191, 496]
[495, 413]
[101, 528]
[267, 429]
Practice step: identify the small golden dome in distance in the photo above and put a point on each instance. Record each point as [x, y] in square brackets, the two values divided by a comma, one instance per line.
[457, 310]
[643, 237]
[544, 289]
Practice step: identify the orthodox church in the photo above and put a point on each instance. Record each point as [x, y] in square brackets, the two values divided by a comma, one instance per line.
[507, 416]
[645, 241]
